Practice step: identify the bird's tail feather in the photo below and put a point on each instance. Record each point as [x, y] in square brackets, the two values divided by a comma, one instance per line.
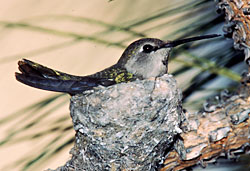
[38, 76]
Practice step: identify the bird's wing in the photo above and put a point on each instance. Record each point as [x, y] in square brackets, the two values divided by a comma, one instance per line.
[38, 76]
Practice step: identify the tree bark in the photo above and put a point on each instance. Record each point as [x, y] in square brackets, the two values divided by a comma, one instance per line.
[237, 23]
[222, 129]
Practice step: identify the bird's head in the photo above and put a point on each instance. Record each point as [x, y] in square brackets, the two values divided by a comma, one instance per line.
[148, 57]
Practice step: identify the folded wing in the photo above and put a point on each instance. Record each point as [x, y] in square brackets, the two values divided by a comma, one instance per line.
[38, 76]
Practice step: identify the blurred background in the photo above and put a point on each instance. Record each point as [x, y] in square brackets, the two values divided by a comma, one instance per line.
[82, 37]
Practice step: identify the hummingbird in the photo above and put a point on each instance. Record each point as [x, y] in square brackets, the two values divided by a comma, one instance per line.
[142, 59]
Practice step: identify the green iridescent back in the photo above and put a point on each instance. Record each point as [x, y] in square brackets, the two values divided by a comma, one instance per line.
[115, 73]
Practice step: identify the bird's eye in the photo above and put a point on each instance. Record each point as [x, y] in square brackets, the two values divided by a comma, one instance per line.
[148, 48]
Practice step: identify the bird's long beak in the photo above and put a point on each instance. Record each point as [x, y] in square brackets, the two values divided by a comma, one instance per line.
[191, 39]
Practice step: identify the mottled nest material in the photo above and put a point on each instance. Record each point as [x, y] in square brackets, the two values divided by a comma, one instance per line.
[141, 126]
[128, 126]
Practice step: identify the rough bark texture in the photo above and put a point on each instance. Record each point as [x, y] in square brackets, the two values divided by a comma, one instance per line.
[237, 23]
[222, 129]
